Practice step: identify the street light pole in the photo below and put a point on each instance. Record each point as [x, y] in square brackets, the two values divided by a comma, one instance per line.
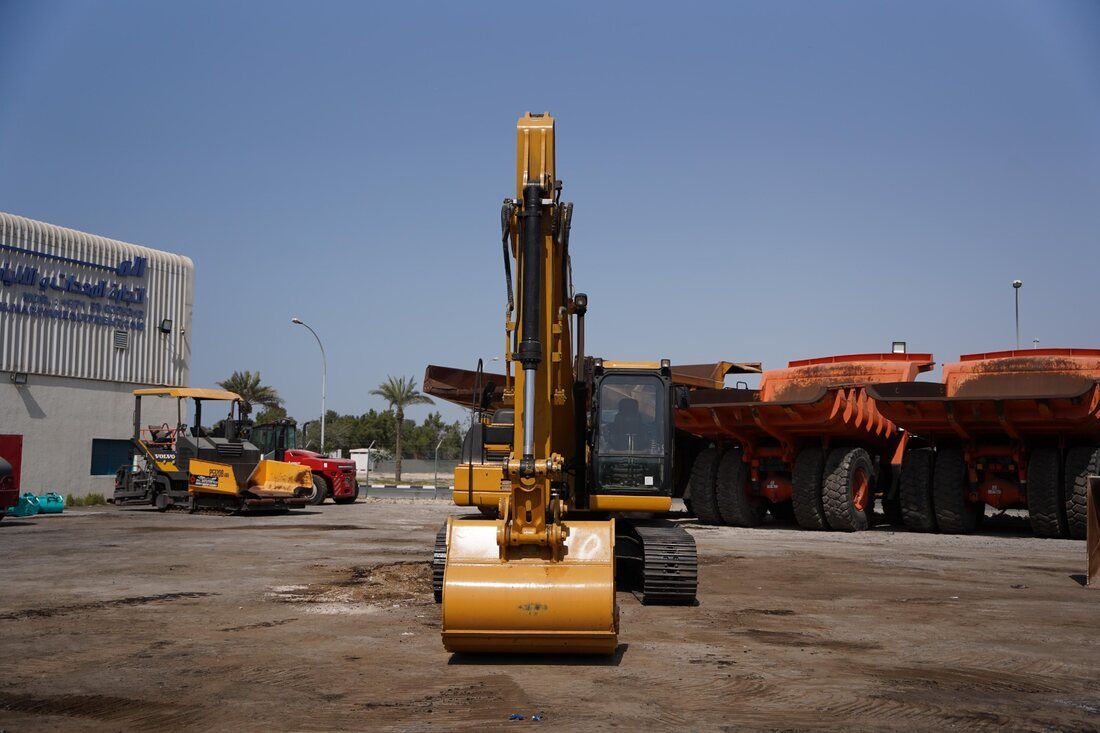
[1016, 285]
[324, 376]
[370, 452]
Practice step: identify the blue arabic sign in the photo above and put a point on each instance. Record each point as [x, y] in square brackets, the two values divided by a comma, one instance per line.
[55, 291]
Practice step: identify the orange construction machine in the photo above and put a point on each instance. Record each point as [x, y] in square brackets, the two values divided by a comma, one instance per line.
[809, 444]
[1010, 429]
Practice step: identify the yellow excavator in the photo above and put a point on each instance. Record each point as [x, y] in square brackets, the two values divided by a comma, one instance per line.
[556, 451]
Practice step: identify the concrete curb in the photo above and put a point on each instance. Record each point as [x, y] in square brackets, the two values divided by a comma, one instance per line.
[405, 491]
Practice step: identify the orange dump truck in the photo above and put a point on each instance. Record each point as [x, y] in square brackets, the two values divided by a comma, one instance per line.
[1010, 429]
[808, 444]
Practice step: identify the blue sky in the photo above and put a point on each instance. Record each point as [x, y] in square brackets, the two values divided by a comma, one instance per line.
[752, 181]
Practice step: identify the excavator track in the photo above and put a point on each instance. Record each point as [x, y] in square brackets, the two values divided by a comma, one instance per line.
[669, 572]
[439, 562]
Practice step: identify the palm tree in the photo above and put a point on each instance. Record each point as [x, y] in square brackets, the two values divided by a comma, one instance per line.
[252, 392]
[400, 393]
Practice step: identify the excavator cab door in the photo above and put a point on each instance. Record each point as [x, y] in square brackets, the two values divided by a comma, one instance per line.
[632, 433]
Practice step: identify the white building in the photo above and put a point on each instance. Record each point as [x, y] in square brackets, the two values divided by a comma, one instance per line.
[84, 320]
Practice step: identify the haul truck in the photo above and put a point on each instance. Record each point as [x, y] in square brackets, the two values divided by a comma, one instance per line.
[808, 445]
[1006, 429]
[205, 468]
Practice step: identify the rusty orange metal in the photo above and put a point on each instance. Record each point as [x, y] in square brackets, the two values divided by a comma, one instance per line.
[1021, 395]
[812, 400]
[861, 490]
[775, 486]
[999, 407]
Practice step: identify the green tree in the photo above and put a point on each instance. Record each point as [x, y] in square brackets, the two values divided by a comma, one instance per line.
[270, 414]
[252, 390]
[400, 392]
[452, 441]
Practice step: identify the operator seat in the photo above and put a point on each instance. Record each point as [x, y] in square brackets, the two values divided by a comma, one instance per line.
[628, 422]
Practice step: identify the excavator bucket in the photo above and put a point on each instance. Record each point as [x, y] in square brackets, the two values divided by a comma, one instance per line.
[278, 479]
[530, 602]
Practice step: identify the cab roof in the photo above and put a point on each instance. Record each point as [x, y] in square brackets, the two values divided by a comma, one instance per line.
[188, 392]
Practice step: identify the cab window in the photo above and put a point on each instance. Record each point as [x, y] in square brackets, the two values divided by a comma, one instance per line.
[631, 433]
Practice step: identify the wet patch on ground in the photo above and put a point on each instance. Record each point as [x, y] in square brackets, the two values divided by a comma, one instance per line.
[804, 639]
[260, 625]
[118, 710]
[97, 605]
[252, 528]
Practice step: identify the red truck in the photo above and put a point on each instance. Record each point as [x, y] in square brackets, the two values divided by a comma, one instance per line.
[333, 477]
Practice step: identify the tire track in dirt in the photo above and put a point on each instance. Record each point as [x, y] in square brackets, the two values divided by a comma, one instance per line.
[881, 708]
[477, 701]
[968, 681]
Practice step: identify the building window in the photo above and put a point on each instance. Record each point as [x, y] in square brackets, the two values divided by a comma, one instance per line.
[108, 455]
[122, 340]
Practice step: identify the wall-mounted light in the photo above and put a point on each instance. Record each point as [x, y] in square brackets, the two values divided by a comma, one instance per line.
[19, 379]
[898, 347]
[166, 325]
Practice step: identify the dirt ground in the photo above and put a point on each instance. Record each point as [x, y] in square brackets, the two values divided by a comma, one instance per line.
[117, 619]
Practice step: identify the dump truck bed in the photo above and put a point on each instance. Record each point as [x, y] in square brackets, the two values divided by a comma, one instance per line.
[1020, 394]
[811, 397]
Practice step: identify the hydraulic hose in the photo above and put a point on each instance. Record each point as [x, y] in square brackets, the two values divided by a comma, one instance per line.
[506, 212]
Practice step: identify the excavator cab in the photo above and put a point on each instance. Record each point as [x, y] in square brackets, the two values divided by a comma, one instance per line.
[632, 431]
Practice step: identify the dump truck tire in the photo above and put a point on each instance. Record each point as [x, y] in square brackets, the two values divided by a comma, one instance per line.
[704, 476]
[915, 491]
[735, 505]
[1081, 462]
[848, 483]
[320, 490]
[489, 512]
[954, 514]
[806, 478]
[1046, 504]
